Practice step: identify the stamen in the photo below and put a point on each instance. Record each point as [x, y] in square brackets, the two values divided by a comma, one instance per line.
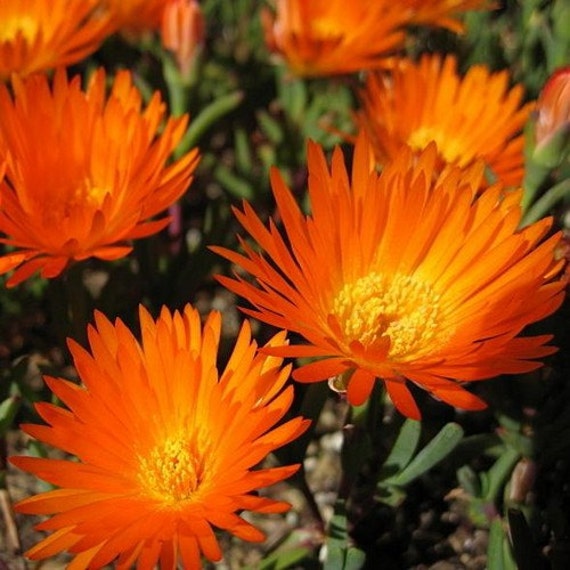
[450, 148]
[24, 25]
[172, 471]
[400, 307]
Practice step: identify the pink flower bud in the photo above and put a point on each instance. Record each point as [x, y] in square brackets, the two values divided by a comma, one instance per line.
[182, 31]
[553, 106]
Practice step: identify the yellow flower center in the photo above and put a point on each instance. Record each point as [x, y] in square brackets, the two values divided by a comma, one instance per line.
[89, 194]
[400, 307]
[24, 25]
[326, 28]
[449, 147]
[84, 196]
[172, 471]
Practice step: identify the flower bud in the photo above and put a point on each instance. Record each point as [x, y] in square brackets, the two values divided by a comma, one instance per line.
[182, 31]
[552, 127]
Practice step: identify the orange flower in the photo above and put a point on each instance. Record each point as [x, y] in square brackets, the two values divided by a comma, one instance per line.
[37, 35]
[84, 171]
[165, 445]
[401, 276]
[324, 37]
[136, 15]
[442, 13]
[183, 31]
[469, 118]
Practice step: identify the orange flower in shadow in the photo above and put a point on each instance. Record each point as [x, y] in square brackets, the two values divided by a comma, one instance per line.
[85, 172]
[442, 13]
[136, 16]
[36, 35]
[166, 446]
[325, 37]
[402, 276]
[469, 118]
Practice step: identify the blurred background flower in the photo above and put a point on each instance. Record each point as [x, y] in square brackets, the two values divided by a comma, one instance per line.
[470, 117]
[326, 37]
[444, 13]
[135, 16]
[37, 35]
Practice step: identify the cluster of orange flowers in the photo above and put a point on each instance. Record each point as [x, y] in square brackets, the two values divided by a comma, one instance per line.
[411, 268]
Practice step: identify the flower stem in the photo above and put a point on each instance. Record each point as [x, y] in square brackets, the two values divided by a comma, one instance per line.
[69, 305]
[544, 204]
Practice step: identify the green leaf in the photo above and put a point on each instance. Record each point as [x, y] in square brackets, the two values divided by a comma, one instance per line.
[495, 549]
[355, 559]
[282, 560]
[8, 409]
[238, 187]
[297, 549]
[244, 160]
[207, 118]
[270, 127]
[499, 555]
[404, 448]
[469, 481]
[341, 555]
[498, 473]
[436, 450]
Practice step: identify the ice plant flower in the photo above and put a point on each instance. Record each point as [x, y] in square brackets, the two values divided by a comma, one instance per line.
[182, 31]
[165, 444]
[36, 35]
[136, 16]
[89, 173]
[326, 37]
[552, 126]
[442, 13]
[469, 118]
[402, 276]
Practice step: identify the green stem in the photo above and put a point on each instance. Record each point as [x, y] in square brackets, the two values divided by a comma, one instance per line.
[546, 202]
[534, 178]
[79, 303]
[207, 117]
[69, 305]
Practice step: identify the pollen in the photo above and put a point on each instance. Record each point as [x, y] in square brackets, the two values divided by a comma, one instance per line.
[326, 28]
[399, 307]
[88, 193]
[452, 150]
[22, 26]
[172, 471]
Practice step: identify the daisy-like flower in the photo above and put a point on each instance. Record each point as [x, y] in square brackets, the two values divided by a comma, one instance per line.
[37, 35]
[325, 37]
[442, 13]
[165, 445]
[136, 16]
[402, 276]
[84, 172]
[472, 117]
